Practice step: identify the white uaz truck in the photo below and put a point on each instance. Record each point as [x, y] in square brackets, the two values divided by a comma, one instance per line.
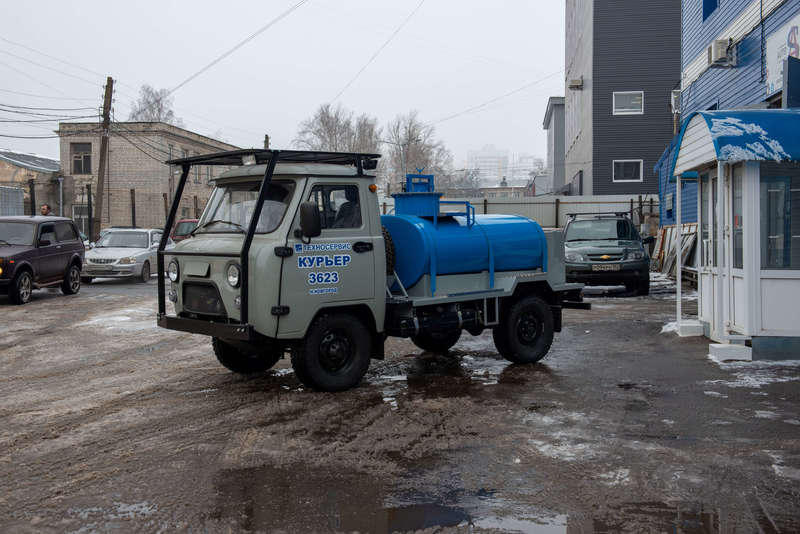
[292, 255]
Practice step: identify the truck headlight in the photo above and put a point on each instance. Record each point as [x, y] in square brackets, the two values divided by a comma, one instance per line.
[234, 275]
[636, 255]
[173, 271]
[573, 257]
[130, 260]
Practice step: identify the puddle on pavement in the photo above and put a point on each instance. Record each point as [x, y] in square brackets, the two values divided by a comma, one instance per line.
[306, 499]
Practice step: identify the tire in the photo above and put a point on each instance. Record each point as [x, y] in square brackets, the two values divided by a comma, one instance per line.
[144, 276]
[390, 251]
[436, 341]
[643, 288]
[72, 282]
[335, 353]
[243, 362]
[21, 288]
[86, 279]
[525, 332]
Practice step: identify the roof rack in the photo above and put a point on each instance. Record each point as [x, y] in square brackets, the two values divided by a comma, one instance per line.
[259, 156]
[608, 213]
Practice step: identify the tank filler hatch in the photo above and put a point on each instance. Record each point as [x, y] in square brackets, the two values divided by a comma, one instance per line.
[421, 199]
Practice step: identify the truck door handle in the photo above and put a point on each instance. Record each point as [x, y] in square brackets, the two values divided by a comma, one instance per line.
[362, 246]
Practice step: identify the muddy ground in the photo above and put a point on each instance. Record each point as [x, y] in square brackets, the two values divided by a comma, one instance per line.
[108, 423]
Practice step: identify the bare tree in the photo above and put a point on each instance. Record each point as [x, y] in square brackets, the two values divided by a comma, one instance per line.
[413, 146]
[338, 130]
[154, 105]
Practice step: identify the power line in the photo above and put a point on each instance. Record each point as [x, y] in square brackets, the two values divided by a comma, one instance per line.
[496, 99]
[33, 113]
[46, 97]
[238, 46]
[380, 49]
[47, 109]
[51, 57]
[49, 68]
[48, 120]
[140, 149]
[30, 77]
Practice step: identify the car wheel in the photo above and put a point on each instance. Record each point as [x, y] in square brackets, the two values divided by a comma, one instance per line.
[21, 288]
[72, 282]
[335, 353]
[437, 341]
[525, 332]
[244, 362]
[144, 276]
[644, 286]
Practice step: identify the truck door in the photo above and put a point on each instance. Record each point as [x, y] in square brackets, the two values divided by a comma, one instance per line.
[336, 268]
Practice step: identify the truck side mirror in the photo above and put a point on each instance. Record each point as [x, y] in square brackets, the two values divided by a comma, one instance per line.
[310, 224]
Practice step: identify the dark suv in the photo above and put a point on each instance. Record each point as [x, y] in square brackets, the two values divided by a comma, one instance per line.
[38, 252]
[606, 249]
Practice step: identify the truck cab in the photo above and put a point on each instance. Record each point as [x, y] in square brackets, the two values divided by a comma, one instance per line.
[291, 256]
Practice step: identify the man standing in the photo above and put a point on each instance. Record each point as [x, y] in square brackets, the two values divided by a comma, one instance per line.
[45, 209]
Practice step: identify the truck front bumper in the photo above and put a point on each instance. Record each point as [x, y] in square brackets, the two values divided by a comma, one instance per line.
[232, 331]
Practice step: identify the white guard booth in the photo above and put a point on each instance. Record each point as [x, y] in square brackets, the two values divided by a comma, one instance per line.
[747, 167]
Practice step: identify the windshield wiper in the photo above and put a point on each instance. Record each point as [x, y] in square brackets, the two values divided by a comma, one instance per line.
[3, 241]
[239, 226]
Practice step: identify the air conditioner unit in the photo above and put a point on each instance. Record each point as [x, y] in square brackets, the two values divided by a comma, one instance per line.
[720, 53]
[675, 101]
[576, 84]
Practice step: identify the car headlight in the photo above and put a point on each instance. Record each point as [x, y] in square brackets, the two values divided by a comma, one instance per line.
[130, 260]
[172, 270]
[234, 274]
[573, 257]
[636, 255]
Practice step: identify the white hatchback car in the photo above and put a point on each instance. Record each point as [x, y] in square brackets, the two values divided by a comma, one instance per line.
[124, 253]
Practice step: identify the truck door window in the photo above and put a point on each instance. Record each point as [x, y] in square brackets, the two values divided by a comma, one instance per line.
[339, 205]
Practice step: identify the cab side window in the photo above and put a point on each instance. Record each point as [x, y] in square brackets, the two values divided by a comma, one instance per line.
[65, 232]
[47, 232]
[339, 205]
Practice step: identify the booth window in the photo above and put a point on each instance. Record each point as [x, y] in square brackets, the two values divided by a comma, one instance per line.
[709, 6]
[627, 170]
[780, 216]
[736, 222]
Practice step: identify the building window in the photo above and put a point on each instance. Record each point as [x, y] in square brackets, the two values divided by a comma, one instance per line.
[628, 103]
[81, 158]
[708, 7]
[80, 214]
[628, 170]
[780, 216]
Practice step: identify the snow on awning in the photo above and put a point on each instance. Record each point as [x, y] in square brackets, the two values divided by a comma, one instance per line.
[733, 136]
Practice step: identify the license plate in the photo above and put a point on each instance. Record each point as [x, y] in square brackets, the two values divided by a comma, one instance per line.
[100, 268]
[606, 267]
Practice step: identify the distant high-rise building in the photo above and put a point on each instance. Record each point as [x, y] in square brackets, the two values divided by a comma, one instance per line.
[491, 163]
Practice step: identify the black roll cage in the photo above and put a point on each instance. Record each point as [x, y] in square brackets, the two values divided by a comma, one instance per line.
[236, 158]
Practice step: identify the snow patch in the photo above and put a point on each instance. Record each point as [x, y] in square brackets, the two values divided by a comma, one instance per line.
[766, 414]
[670, 327]
[615, 478]
[715, 394]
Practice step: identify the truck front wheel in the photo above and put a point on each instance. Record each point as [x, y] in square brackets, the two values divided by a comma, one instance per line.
[334, 354]
[245, 362]
[436, 341]
[525, 332]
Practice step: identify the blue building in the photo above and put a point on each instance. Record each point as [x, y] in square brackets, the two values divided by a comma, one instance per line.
[733, 54]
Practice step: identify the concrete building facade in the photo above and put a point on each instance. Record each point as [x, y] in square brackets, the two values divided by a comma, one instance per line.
[135, 162]
[554, 124]
[622, 62]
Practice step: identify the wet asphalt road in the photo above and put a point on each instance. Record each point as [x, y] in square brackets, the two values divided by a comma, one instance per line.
[108, 423]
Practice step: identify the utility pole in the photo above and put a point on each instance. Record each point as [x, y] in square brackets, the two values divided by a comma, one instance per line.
[101, 169]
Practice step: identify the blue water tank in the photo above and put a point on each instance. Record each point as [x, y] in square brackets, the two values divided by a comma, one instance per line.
[464, 244]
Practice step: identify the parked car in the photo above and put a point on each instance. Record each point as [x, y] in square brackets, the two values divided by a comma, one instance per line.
[37, 252]
[606, 249]
[124, 253]
[183, 229]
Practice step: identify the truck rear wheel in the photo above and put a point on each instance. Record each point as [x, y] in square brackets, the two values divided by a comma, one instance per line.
[335, 353]
[436, 341]
[245, 362]
[389, 246]
[525, 332]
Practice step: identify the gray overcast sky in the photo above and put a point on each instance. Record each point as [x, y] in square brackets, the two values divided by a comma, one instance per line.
[451, 56]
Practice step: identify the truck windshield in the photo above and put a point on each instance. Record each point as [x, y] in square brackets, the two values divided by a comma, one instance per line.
[231, 206]
[16, 233]
[599, 229]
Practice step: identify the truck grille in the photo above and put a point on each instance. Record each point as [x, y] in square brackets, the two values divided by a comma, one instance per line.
[202, 299]
[605, 257]
[101, 260]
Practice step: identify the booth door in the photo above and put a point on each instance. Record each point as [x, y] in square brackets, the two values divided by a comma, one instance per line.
[710, 265]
